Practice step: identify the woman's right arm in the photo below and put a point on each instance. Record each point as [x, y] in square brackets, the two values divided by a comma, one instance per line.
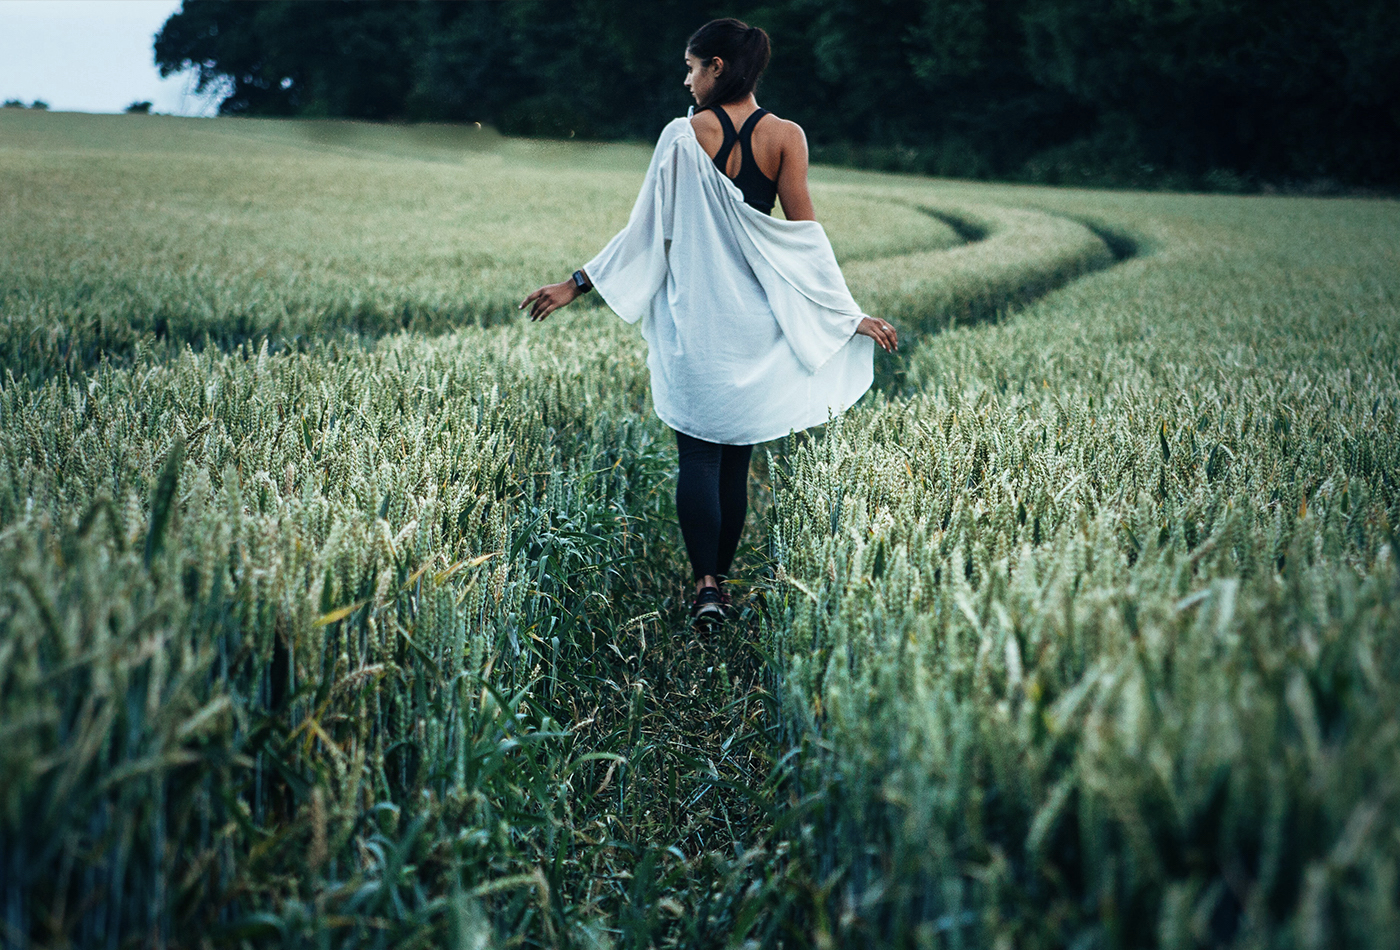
[797, 206]
[792, 175]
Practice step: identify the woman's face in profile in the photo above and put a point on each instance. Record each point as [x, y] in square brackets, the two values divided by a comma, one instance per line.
[699, 78]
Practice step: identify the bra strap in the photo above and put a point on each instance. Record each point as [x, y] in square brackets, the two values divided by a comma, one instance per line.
[745, 137]
[746, 133]
[730, 137]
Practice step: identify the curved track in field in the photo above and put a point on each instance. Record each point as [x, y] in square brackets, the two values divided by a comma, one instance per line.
[1010, 257]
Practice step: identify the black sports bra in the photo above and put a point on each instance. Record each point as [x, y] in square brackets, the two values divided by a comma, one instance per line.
[759, 190]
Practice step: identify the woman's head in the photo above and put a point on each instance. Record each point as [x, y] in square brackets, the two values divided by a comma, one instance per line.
[725, 58]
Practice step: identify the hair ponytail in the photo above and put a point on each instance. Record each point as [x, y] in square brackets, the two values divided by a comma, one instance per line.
[744, 50]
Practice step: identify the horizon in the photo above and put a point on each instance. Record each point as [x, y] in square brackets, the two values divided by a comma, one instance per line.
[92, 56]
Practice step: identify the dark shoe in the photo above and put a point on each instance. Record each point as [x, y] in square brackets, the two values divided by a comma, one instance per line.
[707, 608]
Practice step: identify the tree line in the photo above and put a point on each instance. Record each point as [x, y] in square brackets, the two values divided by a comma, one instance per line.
[1229, 94]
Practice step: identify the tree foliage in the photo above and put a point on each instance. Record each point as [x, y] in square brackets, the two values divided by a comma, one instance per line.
[1121, 90]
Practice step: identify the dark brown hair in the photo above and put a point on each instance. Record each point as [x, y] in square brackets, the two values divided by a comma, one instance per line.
[745, 50]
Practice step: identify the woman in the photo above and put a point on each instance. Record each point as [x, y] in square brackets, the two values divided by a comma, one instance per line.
[751, 332]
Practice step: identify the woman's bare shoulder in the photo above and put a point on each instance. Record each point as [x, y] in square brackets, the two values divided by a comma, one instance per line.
[783, 133]
[705, 121]
[788, 131]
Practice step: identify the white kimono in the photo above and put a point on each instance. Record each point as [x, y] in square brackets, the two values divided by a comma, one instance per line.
[748, 322]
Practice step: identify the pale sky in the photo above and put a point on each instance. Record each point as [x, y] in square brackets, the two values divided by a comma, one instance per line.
[90, 56]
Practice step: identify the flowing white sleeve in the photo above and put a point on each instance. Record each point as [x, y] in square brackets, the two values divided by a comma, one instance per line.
[631, 269]
[794, 262]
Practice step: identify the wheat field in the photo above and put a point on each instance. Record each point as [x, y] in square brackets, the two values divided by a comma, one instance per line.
[339, 606]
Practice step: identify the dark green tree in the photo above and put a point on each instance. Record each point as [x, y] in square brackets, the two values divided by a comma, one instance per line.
[1128, 91]
[309, 58]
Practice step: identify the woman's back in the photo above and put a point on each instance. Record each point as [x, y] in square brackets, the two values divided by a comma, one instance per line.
[778, 149]
[759, 190]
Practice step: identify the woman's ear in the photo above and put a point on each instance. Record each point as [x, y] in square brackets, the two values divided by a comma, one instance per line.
[717, 65]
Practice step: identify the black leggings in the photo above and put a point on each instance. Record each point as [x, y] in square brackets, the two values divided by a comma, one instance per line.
[712, 499]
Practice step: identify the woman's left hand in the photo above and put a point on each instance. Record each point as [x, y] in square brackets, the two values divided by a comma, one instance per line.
[550, 298]
[881, 332]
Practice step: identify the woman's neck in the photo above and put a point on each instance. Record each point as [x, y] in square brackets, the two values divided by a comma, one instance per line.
[747, 104]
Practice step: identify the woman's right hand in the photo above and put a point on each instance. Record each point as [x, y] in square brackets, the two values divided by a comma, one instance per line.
[881, 332]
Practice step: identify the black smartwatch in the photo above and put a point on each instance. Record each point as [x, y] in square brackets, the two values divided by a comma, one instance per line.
[581, 282]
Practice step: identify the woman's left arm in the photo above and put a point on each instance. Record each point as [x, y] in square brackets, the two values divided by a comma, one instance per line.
[551, 297]
[632, 267]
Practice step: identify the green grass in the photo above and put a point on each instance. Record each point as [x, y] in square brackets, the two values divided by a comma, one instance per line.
[226, 232]
[342, 607]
